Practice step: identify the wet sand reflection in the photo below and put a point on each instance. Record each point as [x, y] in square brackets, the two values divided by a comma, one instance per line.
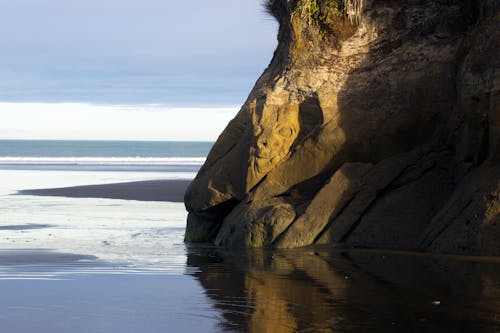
[349, 291]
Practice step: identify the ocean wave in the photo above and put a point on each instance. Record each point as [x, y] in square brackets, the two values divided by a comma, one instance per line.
[9, 160]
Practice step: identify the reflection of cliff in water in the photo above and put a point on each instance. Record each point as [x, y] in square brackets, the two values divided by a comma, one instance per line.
[339, 291]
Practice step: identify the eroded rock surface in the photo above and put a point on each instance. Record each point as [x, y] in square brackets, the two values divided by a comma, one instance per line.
[377, 126]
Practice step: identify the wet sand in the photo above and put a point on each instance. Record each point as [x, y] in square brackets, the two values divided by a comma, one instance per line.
[41, 256]
[150, 190]
[122, 267]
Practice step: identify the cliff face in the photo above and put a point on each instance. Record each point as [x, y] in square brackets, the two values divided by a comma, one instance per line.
[377, 124]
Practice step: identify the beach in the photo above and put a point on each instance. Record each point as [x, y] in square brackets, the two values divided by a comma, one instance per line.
[99, 248]
[116, 231]
[117, 202]
[102, 264]
[91, 251]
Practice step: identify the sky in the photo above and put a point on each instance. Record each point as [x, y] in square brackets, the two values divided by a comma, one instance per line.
[146, 61]
[78, 121]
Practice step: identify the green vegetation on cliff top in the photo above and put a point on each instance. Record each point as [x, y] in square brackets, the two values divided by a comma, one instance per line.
[325, 15]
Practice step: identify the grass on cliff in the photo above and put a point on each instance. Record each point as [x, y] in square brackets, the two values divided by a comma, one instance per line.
[328, 16]
[319, 12]
[322, 14]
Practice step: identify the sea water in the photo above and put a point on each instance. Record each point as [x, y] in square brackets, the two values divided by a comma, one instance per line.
[103, 155]
[103, 149]
[128, 234]
[106, 265]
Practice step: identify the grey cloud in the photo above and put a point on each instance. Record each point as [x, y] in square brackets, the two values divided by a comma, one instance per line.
[115, 51]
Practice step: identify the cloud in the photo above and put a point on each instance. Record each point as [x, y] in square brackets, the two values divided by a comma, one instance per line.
[134, 51]
[80, 121]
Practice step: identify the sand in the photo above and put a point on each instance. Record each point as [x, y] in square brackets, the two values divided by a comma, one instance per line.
[151, 190]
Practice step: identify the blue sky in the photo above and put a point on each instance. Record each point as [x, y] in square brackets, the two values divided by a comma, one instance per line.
[189, 53]
[141, 59]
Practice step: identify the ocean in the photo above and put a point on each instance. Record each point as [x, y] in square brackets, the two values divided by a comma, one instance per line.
[95, 264]
[105, 149]
[102, 155]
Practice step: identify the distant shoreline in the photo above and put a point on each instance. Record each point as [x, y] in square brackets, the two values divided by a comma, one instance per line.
[150, 190]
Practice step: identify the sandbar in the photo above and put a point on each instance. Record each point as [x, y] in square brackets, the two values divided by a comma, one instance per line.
[149, 190]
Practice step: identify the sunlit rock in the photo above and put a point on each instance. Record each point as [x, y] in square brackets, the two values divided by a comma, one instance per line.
[376, 124]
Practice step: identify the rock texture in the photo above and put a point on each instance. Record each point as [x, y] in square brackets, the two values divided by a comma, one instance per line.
[377, 124]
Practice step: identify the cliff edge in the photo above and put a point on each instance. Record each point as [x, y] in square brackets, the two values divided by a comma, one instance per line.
[376, 124]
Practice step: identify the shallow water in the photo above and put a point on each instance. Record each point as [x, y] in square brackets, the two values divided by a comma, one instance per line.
[324, 290]
[124, 233]
[292, 291]
[103, 265]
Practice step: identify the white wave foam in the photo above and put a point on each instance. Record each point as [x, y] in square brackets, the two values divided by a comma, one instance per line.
[101, 160]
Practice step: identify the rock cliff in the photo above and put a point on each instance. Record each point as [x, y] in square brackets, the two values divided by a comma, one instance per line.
[376, 124]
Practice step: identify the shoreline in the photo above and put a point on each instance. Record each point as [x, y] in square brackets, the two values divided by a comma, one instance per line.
[169, 190]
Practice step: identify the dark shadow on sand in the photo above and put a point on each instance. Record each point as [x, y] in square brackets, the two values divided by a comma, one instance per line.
[150, 190]
[31, 226]
[41, 256]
